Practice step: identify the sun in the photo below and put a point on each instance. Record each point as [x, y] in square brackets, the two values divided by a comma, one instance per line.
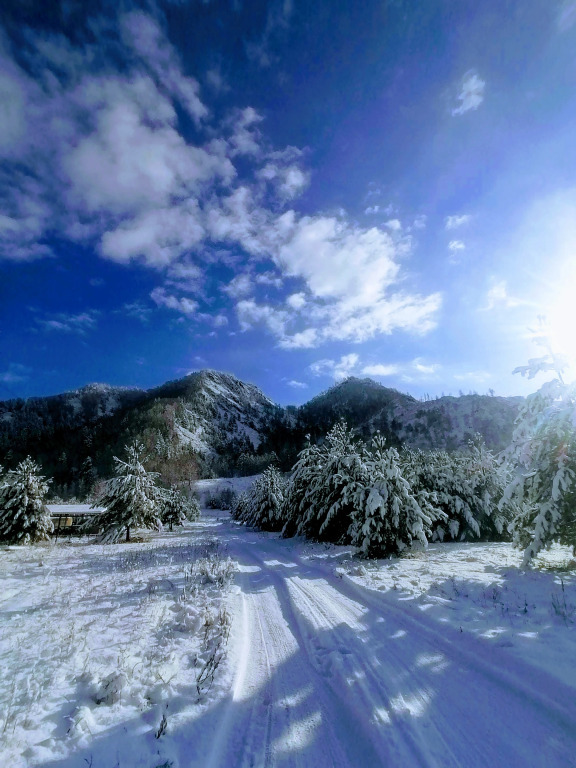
[561, 318]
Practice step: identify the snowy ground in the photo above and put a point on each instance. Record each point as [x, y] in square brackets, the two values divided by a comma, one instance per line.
[451, 657]
[98, 643]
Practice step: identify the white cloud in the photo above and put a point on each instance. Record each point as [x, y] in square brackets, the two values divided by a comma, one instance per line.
[297, 384]
[112, 169]
[79, 323]
[350, 274]
[456, 245]
[296, 301]
[393, 225]
[219, 321]
[241, 285]
[246, 139]
[338, 369]
[137, 310]
[380, 370]
[453, 222]
[498, 296]
[288, 181]
[426, 369]
[184, 305]
[269, 278]
[277, 23]
[471, 93]
[142, 33]
[185, 275]
[420, 221]
[372, 210]
[251, 314]
[480, 377]
[301, 340]
[157, 236]
[16, 373]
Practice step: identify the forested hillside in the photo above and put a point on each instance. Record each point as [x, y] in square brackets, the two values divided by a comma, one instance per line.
[211, 423]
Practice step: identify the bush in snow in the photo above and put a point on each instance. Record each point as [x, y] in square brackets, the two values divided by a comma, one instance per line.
[323, 482]
[262, 504]
[463, 489]
[176, 508]
[543, 450]
[222, 500]
[24, 517]
[132, 498]
[386, 517]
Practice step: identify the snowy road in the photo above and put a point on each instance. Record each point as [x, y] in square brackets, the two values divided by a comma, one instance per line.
[326, 673]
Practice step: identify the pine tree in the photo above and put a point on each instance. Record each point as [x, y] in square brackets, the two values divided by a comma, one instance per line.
[176, 508]
[24, 517]
[464, 488]
[386, 517]
[543, 450]
[324, 479]
[131, 499]
[263, 503]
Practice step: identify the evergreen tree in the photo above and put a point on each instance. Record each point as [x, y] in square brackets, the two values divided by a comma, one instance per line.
[88, 476]
[543, 450]
[176, 508]
[240, 507]
[263, 503]
[131, 498]
[24, 517]
[324, 479]
[464, 490]
[386, 517]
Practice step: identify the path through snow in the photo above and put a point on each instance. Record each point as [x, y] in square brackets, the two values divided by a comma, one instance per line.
[327, 673]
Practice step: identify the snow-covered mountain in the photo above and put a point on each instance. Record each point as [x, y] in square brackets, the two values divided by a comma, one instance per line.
[447, 422]
[212, 423]
[216, 411]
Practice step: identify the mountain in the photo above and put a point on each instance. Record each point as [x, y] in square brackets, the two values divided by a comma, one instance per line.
[447, 422]
[212, 423]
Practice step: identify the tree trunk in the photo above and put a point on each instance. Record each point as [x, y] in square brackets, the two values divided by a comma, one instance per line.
[127, 533]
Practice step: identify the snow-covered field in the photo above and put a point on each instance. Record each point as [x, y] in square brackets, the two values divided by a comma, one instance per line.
[99, 642]
[449, 657]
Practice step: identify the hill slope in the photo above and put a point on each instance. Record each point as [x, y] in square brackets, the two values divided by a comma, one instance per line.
[213, 423]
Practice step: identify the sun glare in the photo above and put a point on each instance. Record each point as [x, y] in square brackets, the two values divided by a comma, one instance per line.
[561, 317]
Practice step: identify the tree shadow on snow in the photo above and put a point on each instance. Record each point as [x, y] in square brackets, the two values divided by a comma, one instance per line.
[348, 677]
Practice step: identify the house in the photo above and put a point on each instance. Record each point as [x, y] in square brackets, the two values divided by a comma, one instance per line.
[74, 519]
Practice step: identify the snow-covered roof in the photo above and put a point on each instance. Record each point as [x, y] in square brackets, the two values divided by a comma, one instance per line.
[74, 509]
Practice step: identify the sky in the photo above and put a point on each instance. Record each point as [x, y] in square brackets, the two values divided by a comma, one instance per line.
[292, 192]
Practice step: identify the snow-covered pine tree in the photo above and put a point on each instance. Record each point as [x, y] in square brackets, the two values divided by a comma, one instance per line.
[324, 479]
[131, 499]
[240, 507]
[543, 450]
[465, 488]
[386, 517]
[264, 502]
[192, 509]
[24, 517]
[175, 508]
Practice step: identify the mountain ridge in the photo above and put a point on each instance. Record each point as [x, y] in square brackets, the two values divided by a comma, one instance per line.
[210, 422]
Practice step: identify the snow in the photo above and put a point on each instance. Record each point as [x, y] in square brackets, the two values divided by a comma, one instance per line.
[120, 624]
[214, 487]
[73, 509]
[448, 657]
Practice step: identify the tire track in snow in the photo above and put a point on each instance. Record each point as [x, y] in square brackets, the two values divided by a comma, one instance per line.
[280, 703]
[486, 715]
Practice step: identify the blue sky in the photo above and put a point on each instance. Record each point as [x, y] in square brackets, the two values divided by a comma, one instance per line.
[292, 192]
